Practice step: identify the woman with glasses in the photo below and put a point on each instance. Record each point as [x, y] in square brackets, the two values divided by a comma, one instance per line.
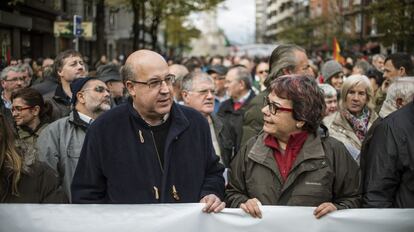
[22, 179]
[293, 161]
[355, 115]
[31, 114]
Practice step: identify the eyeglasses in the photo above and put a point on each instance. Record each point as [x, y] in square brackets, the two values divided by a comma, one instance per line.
[219, 78]
[263, 71]
[156, 83]
[98, 89]
[19, 109]
[273, 108]
[205, 92]
[16, 79]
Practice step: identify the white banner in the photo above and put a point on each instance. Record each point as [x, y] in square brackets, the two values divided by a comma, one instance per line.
[188, 217]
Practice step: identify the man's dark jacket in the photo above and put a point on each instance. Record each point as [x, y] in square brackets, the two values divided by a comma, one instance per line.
[119, 163]
[389, 173]
[235, 117]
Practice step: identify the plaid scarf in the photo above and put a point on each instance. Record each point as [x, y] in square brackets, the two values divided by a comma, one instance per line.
[358, 124]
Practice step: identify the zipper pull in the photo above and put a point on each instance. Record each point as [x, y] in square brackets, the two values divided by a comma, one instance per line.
[141, 138]
[157, 195]
[175, 193]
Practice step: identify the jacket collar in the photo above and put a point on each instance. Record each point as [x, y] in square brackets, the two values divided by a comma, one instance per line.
[217, 124]
[60, 95]
[75, 119]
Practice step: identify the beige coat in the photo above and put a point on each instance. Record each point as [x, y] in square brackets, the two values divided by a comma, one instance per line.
[340, 129]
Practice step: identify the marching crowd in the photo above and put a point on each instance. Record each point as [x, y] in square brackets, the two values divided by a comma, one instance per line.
[225, 131]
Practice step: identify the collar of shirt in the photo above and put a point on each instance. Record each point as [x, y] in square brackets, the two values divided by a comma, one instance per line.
[244, 98]
[7, 104]
[85, 118]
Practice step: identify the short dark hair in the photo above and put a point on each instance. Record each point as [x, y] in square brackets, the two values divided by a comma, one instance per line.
[402, 60]
[307, 98]
[58, 63]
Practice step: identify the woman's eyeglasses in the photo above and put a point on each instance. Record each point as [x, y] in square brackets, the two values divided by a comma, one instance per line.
[19, 109]
[273, 108]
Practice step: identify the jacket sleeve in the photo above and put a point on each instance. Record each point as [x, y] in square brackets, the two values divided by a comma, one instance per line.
[382, 177]
[213, 181]
[236, 192]
[50, 190]
[48, 146]
[89, 183]
[347, 184]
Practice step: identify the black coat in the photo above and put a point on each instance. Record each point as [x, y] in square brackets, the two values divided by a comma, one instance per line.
[389, 169]
[235, 117]
[226, 138]
[119, 164]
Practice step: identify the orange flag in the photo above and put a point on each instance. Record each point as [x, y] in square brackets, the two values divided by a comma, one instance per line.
[337, 52]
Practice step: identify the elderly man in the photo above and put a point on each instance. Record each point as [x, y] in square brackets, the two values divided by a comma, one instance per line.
[218, 73]
[239, 89]
[60, 143]
[150, 150]
[378, 62]
[67, 66]
[262, 71]
[109, 73]
[285, 59]
[11, 79]
[198, 93]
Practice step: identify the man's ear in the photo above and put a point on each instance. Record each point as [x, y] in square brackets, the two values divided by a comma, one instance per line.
[402, 72]
[185, 96]
[130, 87]
[286, 71]
[399, 102]
[80, 97]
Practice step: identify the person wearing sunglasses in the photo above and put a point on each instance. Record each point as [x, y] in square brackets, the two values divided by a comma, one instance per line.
[149, 150]
[31, 114]
[22, 178]
[293, 161]
[61, 142]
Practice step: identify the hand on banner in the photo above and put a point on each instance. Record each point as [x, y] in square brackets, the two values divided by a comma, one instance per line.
[323, 209]
[251, 207]
[213, 204]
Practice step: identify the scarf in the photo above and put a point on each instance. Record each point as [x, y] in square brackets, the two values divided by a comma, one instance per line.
[358, 124]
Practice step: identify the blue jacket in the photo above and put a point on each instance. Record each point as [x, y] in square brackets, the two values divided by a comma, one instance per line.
[119, 163]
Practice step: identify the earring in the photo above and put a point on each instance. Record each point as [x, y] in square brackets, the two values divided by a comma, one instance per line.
[298, 125]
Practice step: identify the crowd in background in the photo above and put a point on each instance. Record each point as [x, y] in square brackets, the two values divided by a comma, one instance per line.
[289, 130]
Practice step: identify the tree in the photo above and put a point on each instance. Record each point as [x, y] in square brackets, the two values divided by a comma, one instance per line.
[395, 22]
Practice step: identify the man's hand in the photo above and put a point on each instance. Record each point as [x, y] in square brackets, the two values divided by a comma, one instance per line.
[213, 204]
[251, 207]
[323, 209]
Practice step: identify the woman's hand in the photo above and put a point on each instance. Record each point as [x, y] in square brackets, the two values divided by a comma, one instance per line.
[251, 207]
[323, 209]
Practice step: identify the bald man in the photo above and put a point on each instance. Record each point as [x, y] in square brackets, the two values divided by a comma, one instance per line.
[150, 150]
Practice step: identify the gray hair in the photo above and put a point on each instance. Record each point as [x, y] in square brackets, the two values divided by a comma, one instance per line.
[377, 57]
[244, 75]
[282, 57]
[353, 81]
[328, 90]
[189, 79]
[26, 67]
[9, 69]
[363, 65]
[403, 88]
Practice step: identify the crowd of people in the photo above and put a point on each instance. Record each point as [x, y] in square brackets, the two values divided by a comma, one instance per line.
[228, 132]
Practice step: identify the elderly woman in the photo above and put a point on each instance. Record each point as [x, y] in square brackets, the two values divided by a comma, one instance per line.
[355, 116]
[292, 162]
[31, 114]
[331, 100]
[22, 178]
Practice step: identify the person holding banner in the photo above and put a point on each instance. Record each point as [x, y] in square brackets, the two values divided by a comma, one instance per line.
[293, 161]
[149, 150]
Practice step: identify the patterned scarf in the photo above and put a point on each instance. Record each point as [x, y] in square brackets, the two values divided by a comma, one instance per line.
[358, 124]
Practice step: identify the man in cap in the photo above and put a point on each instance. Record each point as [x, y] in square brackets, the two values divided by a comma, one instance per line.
[109, 73]
[218, 73]
[60, 143]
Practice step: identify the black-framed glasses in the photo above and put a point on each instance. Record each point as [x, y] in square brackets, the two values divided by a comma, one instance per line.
[205, 92]
[16, 79]
[156, 83]
[20, 108]
[98, 89]
[273, 108]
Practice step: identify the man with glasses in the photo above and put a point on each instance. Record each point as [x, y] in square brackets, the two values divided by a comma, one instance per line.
[218, 73]
[60, 143]
[11, 79]
[262, 71]
[157, 152]
[198, 93]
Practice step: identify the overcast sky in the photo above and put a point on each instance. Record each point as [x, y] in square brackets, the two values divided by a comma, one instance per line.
[237, 19]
